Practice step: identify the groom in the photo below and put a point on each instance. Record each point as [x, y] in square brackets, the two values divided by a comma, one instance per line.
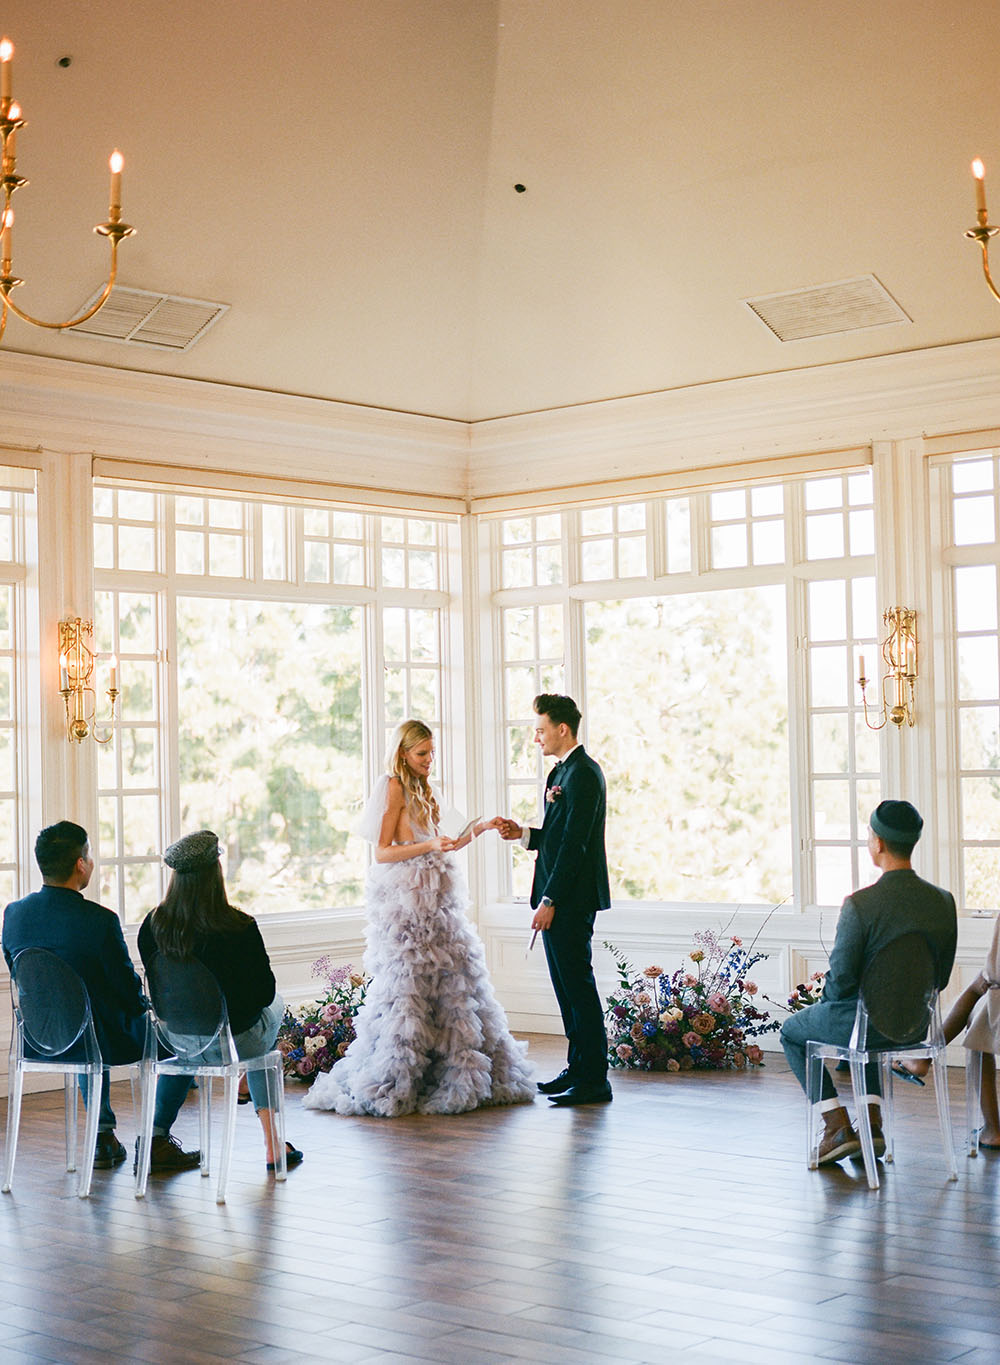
[570, 885]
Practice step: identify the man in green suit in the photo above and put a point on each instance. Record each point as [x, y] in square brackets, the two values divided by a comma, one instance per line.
[899, 903]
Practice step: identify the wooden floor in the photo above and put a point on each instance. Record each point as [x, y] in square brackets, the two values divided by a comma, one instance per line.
[679, 1221]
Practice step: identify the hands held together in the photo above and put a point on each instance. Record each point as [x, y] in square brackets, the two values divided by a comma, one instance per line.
[507, 828]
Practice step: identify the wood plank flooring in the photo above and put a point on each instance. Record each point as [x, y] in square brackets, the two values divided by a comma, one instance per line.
[680, 1221]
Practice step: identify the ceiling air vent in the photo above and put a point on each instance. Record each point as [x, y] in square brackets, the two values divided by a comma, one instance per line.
[163, 322]
[844, 306]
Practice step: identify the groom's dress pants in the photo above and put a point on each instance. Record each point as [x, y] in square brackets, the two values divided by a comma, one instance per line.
[567, 951]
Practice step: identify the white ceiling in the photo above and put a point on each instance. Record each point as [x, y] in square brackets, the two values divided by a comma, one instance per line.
[341, 172]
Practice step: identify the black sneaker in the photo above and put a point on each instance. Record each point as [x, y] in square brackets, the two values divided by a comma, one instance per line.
[109, 1152]
[167, 1154]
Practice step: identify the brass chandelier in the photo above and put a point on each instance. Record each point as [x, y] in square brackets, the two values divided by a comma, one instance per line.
[114, 229]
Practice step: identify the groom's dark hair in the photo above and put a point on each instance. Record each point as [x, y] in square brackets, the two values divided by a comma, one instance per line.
[560, 710]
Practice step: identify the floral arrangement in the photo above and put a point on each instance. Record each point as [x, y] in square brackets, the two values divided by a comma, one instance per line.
[807, 994]
[316, 1034]
[703, 1019]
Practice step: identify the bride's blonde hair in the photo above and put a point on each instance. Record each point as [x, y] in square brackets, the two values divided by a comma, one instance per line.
[416, 789]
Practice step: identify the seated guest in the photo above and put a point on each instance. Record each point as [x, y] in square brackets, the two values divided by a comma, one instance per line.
[89, 938]
[978, 1007]
[899, 903]
[196, 920]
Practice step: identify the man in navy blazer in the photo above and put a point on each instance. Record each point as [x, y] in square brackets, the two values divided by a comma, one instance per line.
[570, 886]
[89, 938]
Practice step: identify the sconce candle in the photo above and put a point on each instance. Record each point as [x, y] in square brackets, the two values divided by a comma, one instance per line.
[116, 161]
[63, 673]
[114, 673]
[979, 175]
[6, 53]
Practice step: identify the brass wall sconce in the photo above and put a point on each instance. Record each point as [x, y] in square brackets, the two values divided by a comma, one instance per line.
[114, 229]
[76, 668]
[982, 232]
[899, 653]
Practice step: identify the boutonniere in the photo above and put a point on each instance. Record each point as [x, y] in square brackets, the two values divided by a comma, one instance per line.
[553, 793]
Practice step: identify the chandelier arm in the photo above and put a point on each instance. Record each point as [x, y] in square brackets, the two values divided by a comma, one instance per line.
[984, 246]
[3, 318]
[6, 285]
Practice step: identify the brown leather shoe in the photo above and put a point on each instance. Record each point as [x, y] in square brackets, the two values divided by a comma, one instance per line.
[109, 1152]
[840, 1143]
[166, 1155]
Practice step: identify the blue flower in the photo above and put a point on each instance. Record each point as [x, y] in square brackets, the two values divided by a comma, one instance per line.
[649, 1029]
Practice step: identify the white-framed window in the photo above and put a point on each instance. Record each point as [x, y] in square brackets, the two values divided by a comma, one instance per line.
[711, 640]
[258, 641]
[18, 513]
[968, 486]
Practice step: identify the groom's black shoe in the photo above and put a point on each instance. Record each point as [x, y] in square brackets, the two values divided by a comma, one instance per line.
[585, 1094]
[564, 1081]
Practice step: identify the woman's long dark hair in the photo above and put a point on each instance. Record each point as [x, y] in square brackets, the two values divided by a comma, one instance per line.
[195, 907]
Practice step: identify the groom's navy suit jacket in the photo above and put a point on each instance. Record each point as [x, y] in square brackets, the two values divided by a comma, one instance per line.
[572, 866]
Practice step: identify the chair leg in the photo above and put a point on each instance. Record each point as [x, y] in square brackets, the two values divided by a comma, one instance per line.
[888, 1108]
[147, 1092]
[814, 1072]
[205, 1124]
[973, 1083]
[93, 1115]
[16, 1088]
[939, 1070]
[230, 1086]
[70, 1089]
[862, 1120]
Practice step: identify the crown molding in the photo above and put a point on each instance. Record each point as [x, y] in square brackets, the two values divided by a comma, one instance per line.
[832, 407]
[68, 407]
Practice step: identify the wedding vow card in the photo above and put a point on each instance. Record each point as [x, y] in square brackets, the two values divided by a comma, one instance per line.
[453, 824]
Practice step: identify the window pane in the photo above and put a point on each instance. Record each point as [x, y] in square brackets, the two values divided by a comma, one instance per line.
[768, 542]
[981, 807]
[596, 520]
[832, 810]
[830, 751]
[317, 561]
[136, 548]
[825, 537]
[975, 522]
[823, 493]
[827, 672]
[517, 568]
[713, 767]
[979, 738]
[631, 557]
[597, 559]
[977, 669]
[519, 633]
[679, 536]
[827, 610]
[982, 878]
[976, 598]
[282, 787]
[190, 550]
[729, 504]
[862, 532]
[767, 500]
[834, 875]
[969, 476]
[729, 547]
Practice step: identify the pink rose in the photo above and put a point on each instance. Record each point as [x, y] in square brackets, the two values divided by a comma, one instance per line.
[750, 987]
[754, 1054]
[330, 1014]
[673, 1064]
[736, 942]
[690, 980]
[653, 972]
[306, 1066]
[691, 1039]
[739, 1061]
[718, 1003]
[624, 1051]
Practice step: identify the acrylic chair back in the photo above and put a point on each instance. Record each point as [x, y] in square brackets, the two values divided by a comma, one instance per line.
[53, 1032]
[898, 990]
[189, 1035]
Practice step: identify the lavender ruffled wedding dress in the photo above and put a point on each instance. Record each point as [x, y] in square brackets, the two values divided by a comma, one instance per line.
[431, 1036]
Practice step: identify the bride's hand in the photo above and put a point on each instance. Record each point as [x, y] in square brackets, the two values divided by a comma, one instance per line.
[441, 844]
[484, 825]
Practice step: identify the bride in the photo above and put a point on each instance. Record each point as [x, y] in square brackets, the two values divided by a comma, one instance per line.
[431, 1035]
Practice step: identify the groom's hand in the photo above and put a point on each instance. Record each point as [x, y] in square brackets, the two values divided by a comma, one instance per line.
[544, 915]
[509, 829]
